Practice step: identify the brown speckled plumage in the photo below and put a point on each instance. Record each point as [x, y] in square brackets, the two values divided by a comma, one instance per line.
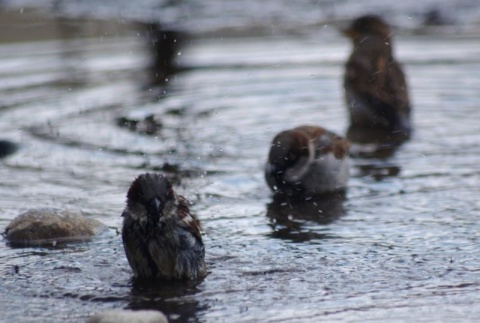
[161, 237]
[307, 160]
[375, 86]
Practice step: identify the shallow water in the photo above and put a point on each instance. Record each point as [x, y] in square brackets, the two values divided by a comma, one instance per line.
[404, 245]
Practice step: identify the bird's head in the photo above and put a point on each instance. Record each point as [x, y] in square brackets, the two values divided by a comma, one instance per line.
[368, 26]
[151, 197]
[287, 148]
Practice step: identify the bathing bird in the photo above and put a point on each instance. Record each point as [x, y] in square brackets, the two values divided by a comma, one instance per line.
[307, 161]
[375, 87]
[161, 237]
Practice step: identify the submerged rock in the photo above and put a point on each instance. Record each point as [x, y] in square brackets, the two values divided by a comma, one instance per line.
[125, 316]
[51, 226]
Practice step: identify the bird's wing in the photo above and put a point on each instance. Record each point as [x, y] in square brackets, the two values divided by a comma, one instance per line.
[396, 88]
[381, 85]
[189, 222]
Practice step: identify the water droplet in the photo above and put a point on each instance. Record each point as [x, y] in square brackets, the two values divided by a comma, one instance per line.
[179, 53]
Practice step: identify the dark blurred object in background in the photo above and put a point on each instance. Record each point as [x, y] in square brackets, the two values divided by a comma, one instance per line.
[7, 148]
[435, 17]
[163, 45]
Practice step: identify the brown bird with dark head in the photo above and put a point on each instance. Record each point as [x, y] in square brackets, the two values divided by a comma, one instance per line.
[307, 161]
[161, 238]
[375, 87]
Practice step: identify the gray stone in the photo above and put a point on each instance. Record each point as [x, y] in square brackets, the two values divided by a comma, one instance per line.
[125, 316]
[51, 226]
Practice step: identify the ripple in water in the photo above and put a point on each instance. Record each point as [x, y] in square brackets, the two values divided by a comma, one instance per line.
[403, 243]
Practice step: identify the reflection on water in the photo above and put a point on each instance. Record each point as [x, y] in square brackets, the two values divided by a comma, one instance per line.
[375, 143]
[164, 297]
[164, 47]
[375, 147]
[72, 56]
[290, 218]
[379, 170]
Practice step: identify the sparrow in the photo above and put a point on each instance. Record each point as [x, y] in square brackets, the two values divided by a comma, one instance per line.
[307, 161]
[160, 236]
[375, 87]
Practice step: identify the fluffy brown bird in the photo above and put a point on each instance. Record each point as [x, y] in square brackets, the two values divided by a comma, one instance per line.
[307, 161]
[375, 87]
[161, 237]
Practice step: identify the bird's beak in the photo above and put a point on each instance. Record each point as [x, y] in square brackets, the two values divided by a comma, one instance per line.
[349, 32]
[346, 29]
[155, 208]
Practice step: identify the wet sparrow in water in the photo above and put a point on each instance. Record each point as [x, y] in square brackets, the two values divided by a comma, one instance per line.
[160, 236]
[375, 87]
[307, 161]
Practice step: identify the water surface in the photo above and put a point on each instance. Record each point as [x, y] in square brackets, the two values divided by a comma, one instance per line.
[404, 245]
